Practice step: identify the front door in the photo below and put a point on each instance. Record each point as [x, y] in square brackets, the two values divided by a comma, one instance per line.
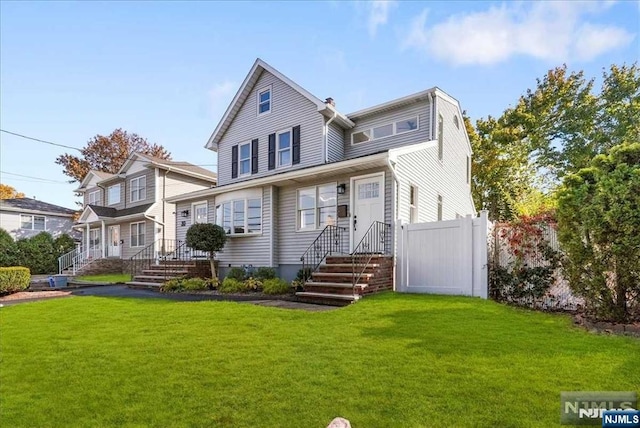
[113, 243]
[368, 205]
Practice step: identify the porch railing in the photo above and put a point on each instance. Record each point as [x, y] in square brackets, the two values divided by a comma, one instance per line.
[65, 261]
[376, 241]
[332, 240]
[78, 258]
[161, 250]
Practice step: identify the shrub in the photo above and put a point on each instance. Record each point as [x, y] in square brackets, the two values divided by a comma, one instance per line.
[231, 285]
[276, 286]
[14, 279]
[194, 284]
[252, 284]
[303, 274]
[264, 273]
[7, 249]
[207, 237]
[171, 285]
[212, 283]
[237, 273]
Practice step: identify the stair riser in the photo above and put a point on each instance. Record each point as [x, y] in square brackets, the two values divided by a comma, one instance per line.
[322, 301]
[318, 277]
[348, 260]
[341, 269]
[332, 290]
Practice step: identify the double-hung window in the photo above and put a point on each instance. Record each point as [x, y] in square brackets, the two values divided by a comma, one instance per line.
[240, 216]
[137, 234]
[114, 194]
[138, 189]
[264, 100]
[32, 222]
[284, 148]
[199, 211]
[244, 160]
[317, 207]
[94, 198]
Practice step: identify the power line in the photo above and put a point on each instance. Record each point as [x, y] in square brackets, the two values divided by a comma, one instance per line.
[39, 140]
[30, 176]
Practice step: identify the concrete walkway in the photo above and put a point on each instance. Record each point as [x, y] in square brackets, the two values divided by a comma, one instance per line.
[124, 291]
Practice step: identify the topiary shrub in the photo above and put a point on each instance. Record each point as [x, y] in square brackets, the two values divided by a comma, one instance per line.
[207, 237]
[231, 285]
[264, 273]
[276, 286]
[14, 279]
[252, 284]
[237, 273]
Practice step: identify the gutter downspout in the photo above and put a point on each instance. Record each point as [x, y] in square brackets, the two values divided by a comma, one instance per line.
[394, 199]
[432, 106]
[326, 136]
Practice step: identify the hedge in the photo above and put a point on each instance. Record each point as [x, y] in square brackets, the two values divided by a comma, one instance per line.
[14, 279]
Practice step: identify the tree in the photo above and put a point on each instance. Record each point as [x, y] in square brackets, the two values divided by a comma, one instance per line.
[8, 192]
[207, 237]
[108, 154]
[599, 228]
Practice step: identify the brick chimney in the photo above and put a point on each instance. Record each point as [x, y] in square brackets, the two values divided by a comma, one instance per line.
[330, 101]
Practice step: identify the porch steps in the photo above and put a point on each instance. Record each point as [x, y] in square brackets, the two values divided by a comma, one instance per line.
[332, 284]
[156, 275]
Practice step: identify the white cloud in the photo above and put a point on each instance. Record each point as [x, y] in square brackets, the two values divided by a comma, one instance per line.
[220, 96]
[379, 14]
[556, 31]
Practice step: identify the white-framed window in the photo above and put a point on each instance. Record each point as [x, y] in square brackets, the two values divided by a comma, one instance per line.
[138, 188]
[439, 207]
[244, 158]
[317, 206]
[94, 198]
[264, 100]
[440, 137]
[33, 222]
[137, 234]
[413, 204]
[113, 194]
[386, 130]
[199, 212]
[240, 216]
[283, 151]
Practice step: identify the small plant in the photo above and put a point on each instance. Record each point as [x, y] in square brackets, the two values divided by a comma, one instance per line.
[303, 274]
[297, 285]
[231, 285]
[185, 284]
[264, 273]
[237, 273]
[171, 285]
[212, 283]
[253, 284]
[276, 286]
[194, 284]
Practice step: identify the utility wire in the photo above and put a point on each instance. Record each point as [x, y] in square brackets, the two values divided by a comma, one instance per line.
[37, 178]
[39, 140]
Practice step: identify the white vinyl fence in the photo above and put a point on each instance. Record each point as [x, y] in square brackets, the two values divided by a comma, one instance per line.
[444, 257]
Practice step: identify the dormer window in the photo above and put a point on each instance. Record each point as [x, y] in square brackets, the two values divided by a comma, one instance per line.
[264, 101]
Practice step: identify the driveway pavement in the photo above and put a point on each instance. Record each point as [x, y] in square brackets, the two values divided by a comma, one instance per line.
[124, 291]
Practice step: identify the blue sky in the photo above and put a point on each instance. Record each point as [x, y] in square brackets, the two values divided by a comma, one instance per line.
[167, 70]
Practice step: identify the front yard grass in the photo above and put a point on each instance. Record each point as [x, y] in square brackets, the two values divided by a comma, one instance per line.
[387, 361]
[111, 278]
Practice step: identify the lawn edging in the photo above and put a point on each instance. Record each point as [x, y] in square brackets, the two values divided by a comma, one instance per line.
[607, 327]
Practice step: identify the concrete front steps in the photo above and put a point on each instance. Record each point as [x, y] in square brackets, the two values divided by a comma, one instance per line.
[156, 275]
[333, 283]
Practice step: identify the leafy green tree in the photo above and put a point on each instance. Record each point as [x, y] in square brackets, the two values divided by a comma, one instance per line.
[7, 249]
[599, 228]
[207, 237]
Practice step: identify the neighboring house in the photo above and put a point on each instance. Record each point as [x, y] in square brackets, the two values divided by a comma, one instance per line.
[26, 217]
[125, 213]
[290, 164]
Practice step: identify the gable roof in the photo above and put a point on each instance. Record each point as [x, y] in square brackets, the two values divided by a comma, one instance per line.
[259, 66]
[100, 175]
[112, 213]
[34, 205]
[181, 167]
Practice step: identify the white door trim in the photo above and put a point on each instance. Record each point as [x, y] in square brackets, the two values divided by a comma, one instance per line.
[110, 247]
[352, 201]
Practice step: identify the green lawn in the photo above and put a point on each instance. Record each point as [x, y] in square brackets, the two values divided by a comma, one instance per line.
[109, 278]
[387, 361]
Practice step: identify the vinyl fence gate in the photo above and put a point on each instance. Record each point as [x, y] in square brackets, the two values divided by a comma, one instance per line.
[444, 257]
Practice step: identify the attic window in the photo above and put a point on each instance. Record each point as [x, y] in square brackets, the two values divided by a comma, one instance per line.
[264, 101]
[456, 122]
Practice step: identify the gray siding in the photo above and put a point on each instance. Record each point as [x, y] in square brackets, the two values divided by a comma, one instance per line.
[85, 200]
[433, 177]
[295, 243]
[150, 189]
[288, 109]
[126, 251]
[54, 225]
[420, 135]
[335, 143]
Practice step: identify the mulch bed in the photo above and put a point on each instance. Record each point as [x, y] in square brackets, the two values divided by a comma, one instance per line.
[29, 295]
[632, 329]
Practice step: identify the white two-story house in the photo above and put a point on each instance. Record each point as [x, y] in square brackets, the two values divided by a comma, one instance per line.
[126, 213]
[292, 167]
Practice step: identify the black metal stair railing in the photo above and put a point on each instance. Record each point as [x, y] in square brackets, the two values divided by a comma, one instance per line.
[332, 240]
[376, 241]
[153, 254]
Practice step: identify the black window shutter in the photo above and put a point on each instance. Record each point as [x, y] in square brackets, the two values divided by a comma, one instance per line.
[295, 158]
[254, 156]
[272, 151]
[234, 162]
